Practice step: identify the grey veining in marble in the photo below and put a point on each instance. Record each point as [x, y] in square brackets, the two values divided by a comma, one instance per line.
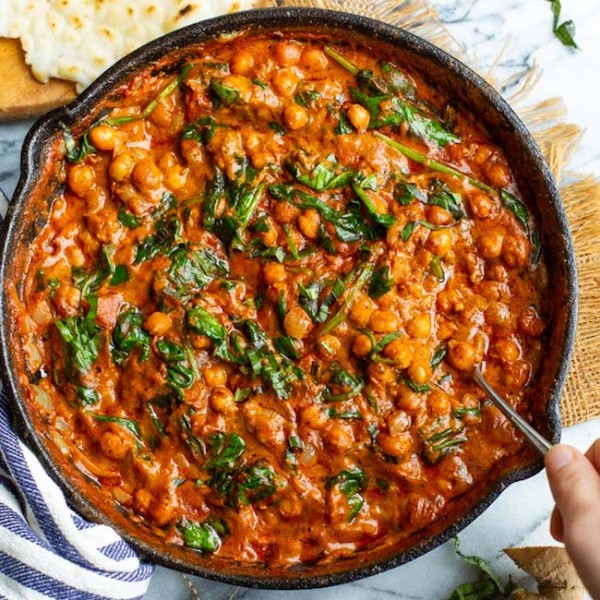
[513, 35]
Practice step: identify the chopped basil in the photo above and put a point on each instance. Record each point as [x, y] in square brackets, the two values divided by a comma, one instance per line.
[351, 482]
[381, 282]
[202, 536]
[127, 219]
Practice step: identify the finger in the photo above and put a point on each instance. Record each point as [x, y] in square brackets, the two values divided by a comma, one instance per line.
[574, 481]
[575, 484]
[556, 525]
[593, 454]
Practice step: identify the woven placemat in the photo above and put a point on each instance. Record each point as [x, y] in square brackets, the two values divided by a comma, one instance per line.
[580, 194]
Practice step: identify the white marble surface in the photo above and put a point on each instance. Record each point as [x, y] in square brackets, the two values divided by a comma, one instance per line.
[519, 32]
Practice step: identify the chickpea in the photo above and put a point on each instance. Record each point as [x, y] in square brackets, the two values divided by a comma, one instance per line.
[498, 315]
[81, 179]
[66, 300]
[339, 439]
[482, 154]
[361, 345]
[482, 206]
[241, 62]
[297, 323]
[384, 321]
[200, 342]
[308, 223]
[329, 346]
[401, 351]
[381, 373]
[291, 506]
[143, 499]
[498, 175]
[176, 177]
[269, 237]
[222, 400]
[461, 355]
[215, 376]
[438, 215]
[440, 242]
[121, 166]
[515, 251]
[419, 369]
[158, 323]
[295, 117]
[274, 272]
[490, 243]
[285, 213]
[313, 59]
[398, 422]
[507, 351]
[113, 445]
[359, 117]
[162, 114]
[287, 53]
[314, 416]
[516, 375]
[103, 137]
[445, 329]
[438, 403]
[284, 82]
[361, 310]
[450, 301]
[420, 326]
[530, 323]
[410, 401]
[146, 175]
[397, 446]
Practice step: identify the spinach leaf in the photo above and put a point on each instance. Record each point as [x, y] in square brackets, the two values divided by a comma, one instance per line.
[202, 322]
[344, 126]
[128, 424]
[384, 219]
[306, 98]
[438, 357]
[128, 219]
[441, 443]
[120, 275]
[381, 282]
[223, 95]
[190, 271]
[129, 335]
[215, 193]
[342, 385]
[200, 536]
[348, 414]
[288, 346]
[323, 177]
[167, 234]
[309, 299]
[412, 225]
[371, 103]
[179, 374]
[82, 338]
[564, 31]
[89, 283]
[396, 81]
[420, 388]
[72, 153]
[202, 130]
[490, 586]
[254, 484]
[405, 193]
[442, 196]
[351, 482]
[225, 452]
[516, 207]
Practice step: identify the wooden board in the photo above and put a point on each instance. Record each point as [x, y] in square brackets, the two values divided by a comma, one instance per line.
[22, 96]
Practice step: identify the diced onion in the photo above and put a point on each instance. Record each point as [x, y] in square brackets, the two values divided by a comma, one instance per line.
[309, 456]
[42, 397]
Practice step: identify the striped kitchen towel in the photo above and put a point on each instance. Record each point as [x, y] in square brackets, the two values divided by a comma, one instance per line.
[46, 550]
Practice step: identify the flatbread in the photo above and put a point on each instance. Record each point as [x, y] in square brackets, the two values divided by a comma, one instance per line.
[79, 39]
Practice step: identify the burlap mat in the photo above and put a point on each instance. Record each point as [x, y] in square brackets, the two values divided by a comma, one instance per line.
[580, 194]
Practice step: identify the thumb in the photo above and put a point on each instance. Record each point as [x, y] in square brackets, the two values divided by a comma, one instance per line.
[574, 482]
[575, 485]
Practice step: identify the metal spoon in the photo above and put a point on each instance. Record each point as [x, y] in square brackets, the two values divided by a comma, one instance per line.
[533, 437]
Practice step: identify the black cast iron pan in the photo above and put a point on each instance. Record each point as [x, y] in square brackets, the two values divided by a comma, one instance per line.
[38, 184]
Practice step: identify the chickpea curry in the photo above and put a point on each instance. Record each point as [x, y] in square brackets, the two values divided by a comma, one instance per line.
[252, 313]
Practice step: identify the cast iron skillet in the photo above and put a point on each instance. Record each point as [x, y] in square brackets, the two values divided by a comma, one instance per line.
[38, 184]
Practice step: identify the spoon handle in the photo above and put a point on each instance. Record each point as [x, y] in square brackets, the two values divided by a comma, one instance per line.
[533, 437]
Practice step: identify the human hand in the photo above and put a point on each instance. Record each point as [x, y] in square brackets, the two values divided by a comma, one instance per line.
[575, 484]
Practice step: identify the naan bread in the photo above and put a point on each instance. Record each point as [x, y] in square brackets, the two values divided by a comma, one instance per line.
[79, 39]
